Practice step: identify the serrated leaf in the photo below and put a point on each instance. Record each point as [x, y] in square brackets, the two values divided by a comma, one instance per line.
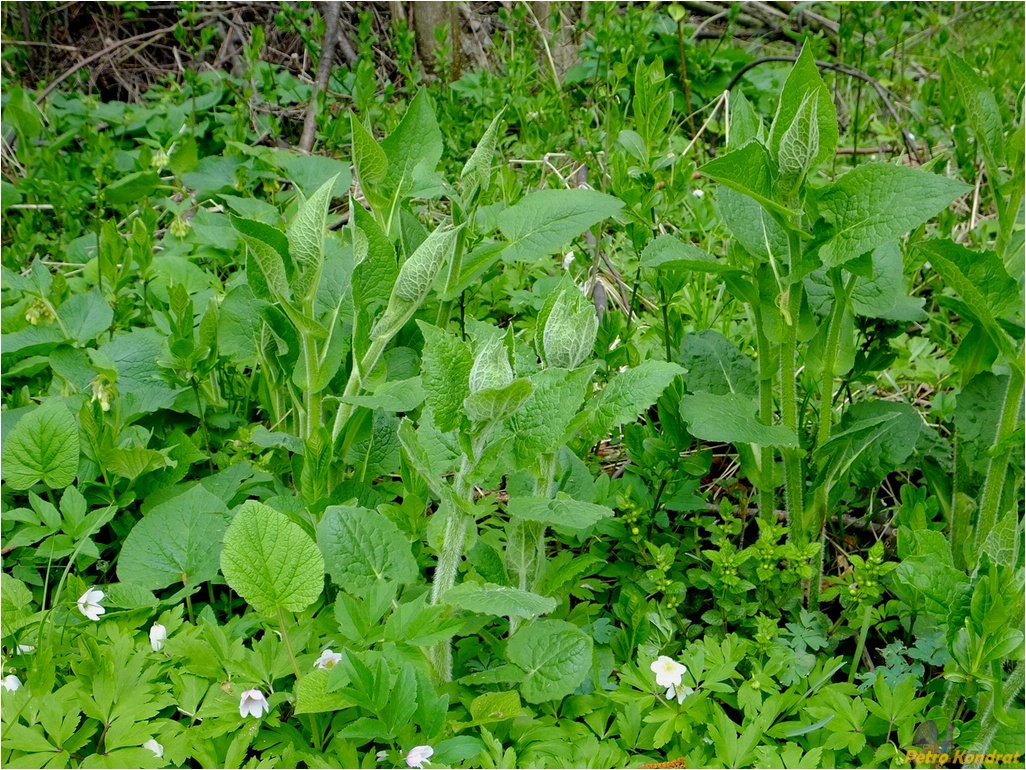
[445, 372]
[312, 696]
[804, 81]
[884, 293]
[176, 542]
[498, 601]
[15, 604]
[543, 222]
[555, 656]
[630, 393]
[562, 513]
[361, 547]
[43, 446]
[270, 561]
[540, 426]
[876, 203]
[876, 437]
[730, 417]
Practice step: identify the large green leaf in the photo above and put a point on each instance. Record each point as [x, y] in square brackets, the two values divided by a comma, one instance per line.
[43, 446]
[541, 425]
[84, 316]
[669, 252]
[716, 365]
[477, 173]
[495, 404]
[270, 561]
[361, 547]
[730, 417]
[413, 150]
[752, 225]
[978, 409]
[133, 187]
[544, 222]
[803, 82]
[269, 247]
[630, 393]
[884, 293]
[445, 371]
[176, 542]
[561, 513]
[305, 236]
[983, 282]
[876, 203]
[499, 601]
[981, 108]
[556, 657]
[749, 171]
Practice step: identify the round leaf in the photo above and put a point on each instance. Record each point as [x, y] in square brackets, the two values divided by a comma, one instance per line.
[42, 447]
[555, 655]
[270, 561]
[362, 547]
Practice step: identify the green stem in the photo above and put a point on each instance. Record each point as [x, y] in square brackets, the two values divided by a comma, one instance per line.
[456, 524]
[793, 482]
[766, 501]
[312, 400]
[666, 320]
[360, 370]
[202, 422]
[990, 504]
[288, 642]
[867, 613]
[826, 381]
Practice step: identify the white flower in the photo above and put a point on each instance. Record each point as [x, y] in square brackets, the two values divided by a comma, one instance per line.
[567, 260]
[382, 756]
[682, 694]
[253, 704]
[328, 659]
[418, 756]
[89, 604]
[157, 636]
[11, 683]
[668, 673]
[155, 747]
[25, 649]
[698, 193]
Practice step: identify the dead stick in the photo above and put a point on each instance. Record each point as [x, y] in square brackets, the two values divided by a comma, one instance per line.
[331, 13]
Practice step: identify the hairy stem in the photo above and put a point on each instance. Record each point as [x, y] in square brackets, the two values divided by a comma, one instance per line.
[356, 376]
[766, 496]
[990, 503]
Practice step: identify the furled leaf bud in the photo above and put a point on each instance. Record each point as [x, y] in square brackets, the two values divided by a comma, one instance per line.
[570, 330]
[491, 368]
[799, 145]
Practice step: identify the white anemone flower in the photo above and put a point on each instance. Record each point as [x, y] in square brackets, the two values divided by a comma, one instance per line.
[155, 747]
[253, 704]
[418, 756]
[158, 634]
[568, 260]
[683, 693]
[668, 673]
[25, 649]
[11, 683]
[89, 604]
[328, 659]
